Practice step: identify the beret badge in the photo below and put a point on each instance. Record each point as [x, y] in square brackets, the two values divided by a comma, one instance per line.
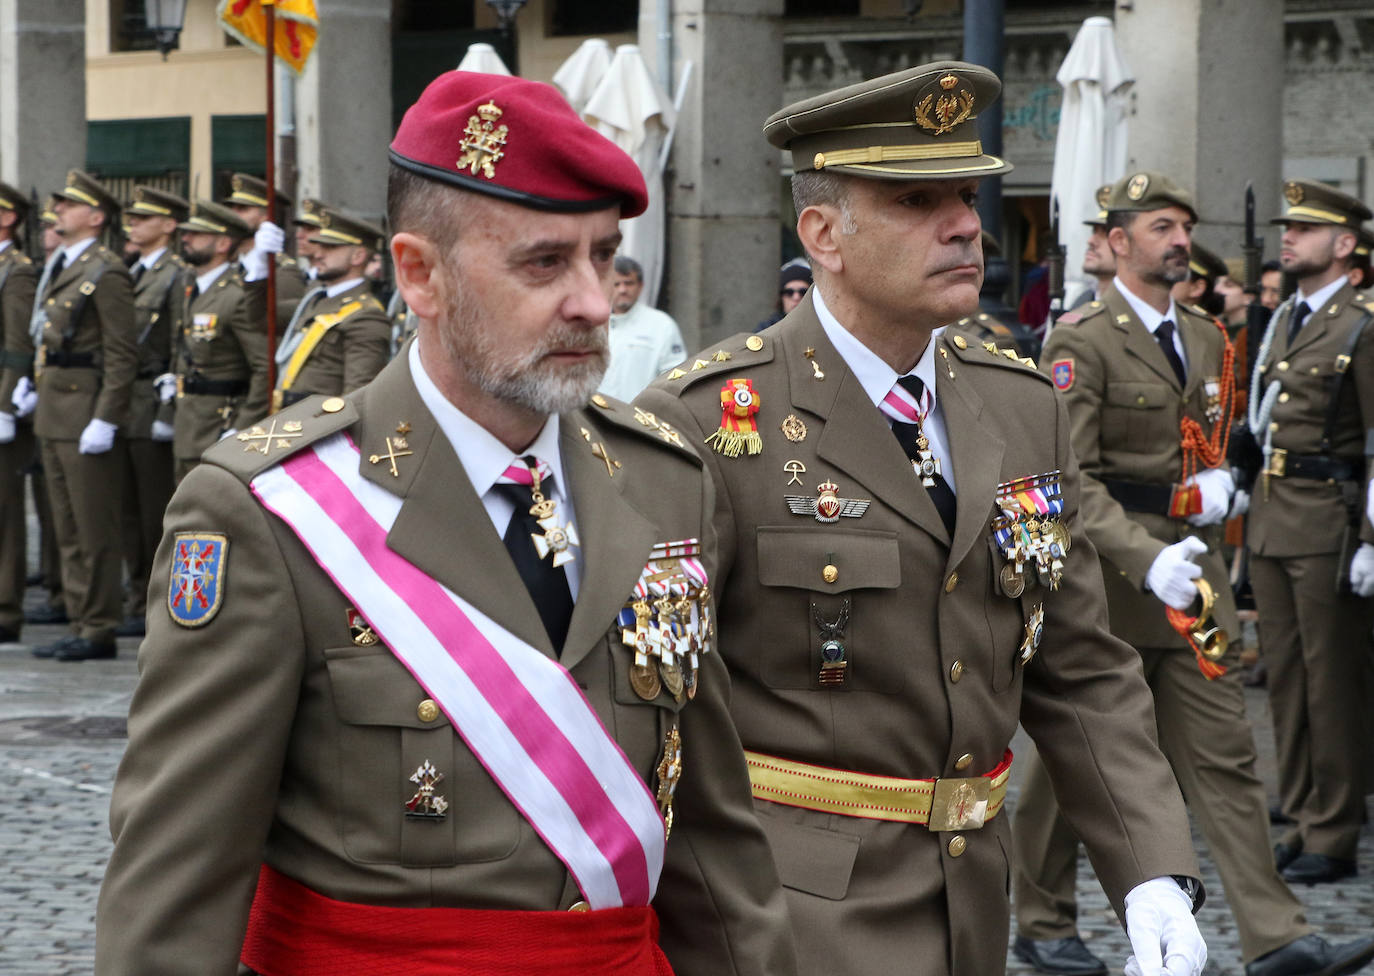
[484, 141]
[1103, 193]
[1293, 193]
[1137, 187]
[939, 108]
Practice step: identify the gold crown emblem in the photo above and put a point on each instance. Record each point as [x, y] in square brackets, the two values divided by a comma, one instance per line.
[1103, 194]
[236, 183]
[948, 82]
[489, 112]
[139, 196]
[1292, 192]
[827, 488]
[326, 218]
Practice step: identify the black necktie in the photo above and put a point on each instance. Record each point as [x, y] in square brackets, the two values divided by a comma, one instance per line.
[194, 291]
[57, 267]
[1299, 317]
[1164, 335]
[140, 268]
[548, 584]
[907, 433]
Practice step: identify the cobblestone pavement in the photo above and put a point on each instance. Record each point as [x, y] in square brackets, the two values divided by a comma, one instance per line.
[61, 736]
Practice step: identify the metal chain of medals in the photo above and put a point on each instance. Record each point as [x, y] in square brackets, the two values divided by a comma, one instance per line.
[1029, 531]
[667, 621]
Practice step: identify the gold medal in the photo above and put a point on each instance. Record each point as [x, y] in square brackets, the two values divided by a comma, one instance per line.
[1013, 583]
[672, 678]
[644, 680]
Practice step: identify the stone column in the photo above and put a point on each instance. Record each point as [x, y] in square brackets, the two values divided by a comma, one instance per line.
[723, 180]
[343, 108]
[1207, 106]
[42, 91]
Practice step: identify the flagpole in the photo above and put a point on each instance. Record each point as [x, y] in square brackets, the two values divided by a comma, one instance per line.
[269, 9]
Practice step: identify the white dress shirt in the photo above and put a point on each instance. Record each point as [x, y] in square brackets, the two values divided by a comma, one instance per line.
[1318, 299]
[877, 378]
[484, 459]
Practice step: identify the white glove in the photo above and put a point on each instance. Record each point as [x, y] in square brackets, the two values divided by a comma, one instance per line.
[1369, 502]
[1217, 487]
[1171, 575]
[162, 431]
[98, 437]
[166, 386]
[1240, 504]
[269, 238]
[1165, 940]
[1362, 570]
[24, 398]
[6, 428]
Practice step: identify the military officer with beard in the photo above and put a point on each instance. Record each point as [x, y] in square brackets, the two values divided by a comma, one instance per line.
[439, 751]
[18, 282]
[340, 336]
[904, 576]
[221, 353]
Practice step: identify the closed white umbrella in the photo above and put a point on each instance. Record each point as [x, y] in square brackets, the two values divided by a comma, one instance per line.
[578, 76]
[483, 57]
[631, 109]
[1090, 149]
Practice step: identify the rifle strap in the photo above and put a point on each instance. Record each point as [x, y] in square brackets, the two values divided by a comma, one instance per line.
[1333, 404]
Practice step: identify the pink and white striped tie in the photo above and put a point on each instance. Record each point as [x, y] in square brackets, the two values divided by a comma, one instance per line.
[903, 406]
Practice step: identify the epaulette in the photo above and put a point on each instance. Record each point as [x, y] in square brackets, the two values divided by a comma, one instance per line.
[1081, 314]
[741, 351]
[638, 421]
[1197, 310]
[274, 439]
[17, 256]
[988, 354]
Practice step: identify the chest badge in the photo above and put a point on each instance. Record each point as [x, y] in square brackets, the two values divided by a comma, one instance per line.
[827, 506]
[426, 804]
[738, 431]
[360, 630]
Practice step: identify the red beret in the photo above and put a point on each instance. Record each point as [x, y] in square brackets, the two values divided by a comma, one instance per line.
[517, 140]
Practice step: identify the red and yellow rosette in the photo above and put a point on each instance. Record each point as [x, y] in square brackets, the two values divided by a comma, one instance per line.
[738, 431]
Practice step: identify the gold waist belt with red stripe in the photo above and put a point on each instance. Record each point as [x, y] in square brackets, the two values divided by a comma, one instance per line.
[294, 931]
[947, 803]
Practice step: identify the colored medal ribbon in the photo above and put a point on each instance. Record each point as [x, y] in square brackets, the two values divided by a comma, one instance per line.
[521, 713]
[1029, 529]
[738, 431]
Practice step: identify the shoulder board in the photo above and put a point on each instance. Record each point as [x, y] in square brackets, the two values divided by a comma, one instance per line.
[637, 421]
[1197, 310]
[274, 439]
[988, 354]
[1082, 313]
[371, 303]
[16, 256]
[286, 260]
[741, 351]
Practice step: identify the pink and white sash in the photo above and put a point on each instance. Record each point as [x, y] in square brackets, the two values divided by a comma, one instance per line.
[520, 712]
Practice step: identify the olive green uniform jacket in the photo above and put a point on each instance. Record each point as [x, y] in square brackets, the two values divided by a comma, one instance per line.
[159, 303]
[350, 353]
[268, 734]
[1125, 405]
[934, 649]
[223, 340]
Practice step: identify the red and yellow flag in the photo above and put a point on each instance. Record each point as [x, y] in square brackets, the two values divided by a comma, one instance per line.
[297, 27]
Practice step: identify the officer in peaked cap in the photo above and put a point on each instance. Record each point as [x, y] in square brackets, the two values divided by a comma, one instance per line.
[306, 222]
[248, 198]
[159, 278]
[879, 668]
[18, 282]
[340, 336]
[221, 354]
[373, 806]
[86, 368]
[1150, 405]
[1205, 269]
[1309, 532]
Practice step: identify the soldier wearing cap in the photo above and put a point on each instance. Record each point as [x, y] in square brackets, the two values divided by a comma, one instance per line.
[1199, 289]
[87, 361]
[159, 277]
[411, 741]
[1312, 563]
[18, 282]
[248, 198]
[307, 222]
[879, 670]
[220, 364]
[1149, 386]
[340, 336]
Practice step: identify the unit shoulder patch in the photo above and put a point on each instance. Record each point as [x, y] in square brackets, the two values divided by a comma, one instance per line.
[1062, 373]
[195, 590]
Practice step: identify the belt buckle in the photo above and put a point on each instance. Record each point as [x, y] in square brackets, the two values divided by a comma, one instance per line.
[1278, 463]
[959, 803]
[181, 386]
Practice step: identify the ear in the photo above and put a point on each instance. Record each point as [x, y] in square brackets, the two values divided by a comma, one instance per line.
[1343, 245]
[818, 227]
[416, 263]
[1118, 242]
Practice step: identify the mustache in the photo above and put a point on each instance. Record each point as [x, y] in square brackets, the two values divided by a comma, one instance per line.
[965, 256]
[1176, 252]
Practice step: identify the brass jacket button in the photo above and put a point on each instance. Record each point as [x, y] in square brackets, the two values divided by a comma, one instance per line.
[830, 573]
[963, 761]
[956, 671]
[427, 710]
[952, 582]
[957, 845]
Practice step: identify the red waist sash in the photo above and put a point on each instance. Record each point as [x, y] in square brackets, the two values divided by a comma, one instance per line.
[294, 931]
